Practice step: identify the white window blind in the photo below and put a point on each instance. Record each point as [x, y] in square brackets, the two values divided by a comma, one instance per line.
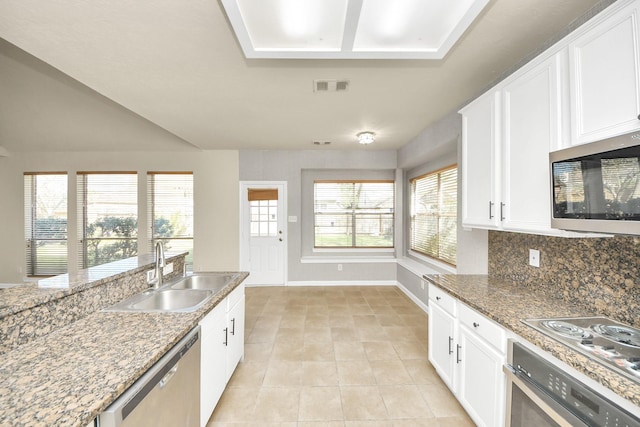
[170, 207]
[108, 216]
[353, 214]
[434, 214]
[45, 208]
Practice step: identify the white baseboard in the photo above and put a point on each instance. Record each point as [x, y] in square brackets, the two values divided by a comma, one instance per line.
[344, 283]
[413, 298]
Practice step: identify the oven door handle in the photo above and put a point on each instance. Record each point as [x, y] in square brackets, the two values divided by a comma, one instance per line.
[541, 398]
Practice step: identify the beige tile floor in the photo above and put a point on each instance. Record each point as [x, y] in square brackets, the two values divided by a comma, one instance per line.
[337, 357]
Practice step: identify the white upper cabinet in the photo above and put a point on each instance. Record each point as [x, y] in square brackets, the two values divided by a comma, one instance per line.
[480, 172]
[506, 137]
[604, 75]
[584, 88]
[531, 128]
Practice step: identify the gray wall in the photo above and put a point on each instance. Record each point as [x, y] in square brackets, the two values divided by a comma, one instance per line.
[436, 147]
[267, 165]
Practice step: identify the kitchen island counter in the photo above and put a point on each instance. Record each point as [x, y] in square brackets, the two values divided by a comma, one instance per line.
[507, 304]
[69, 376]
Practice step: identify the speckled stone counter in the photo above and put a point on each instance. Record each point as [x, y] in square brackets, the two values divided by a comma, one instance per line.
[34, 310]
[507, 304]
[69, 376]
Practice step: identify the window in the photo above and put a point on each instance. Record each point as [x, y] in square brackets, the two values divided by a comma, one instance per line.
[108, 211]
[434, 214]
[353, 214]
[170, 210]
[45, 207]
[263, 208]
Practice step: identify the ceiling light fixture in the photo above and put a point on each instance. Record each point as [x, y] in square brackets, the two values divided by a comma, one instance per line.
[366, 138]
[345, 29]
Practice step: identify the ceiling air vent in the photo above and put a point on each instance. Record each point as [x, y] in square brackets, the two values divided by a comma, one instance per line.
[330, 85]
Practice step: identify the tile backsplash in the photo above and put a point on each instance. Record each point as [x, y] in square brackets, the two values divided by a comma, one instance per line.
[602, 274]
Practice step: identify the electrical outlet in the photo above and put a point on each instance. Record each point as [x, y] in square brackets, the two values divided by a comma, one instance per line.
[534, 257]
[339, 267]
[150, 274]
[167, 269]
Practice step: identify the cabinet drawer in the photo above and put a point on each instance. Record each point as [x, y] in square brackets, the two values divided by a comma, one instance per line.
[213, 321]
[235, 296]
[483, 327]
[442, 299]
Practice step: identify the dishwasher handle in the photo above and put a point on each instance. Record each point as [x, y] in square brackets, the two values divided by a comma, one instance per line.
[165, 380]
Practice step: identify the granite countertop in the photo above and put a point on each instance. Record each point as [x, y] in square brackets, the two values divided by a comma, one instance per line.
[25, 296]
[69, 376]
[507, 304]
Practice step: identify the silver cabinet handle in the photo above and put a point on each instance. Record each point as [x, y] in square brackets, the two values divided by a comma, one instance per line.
[475, 325]
[233, 326]
[458, 347]
[226, 336]
[502, 205]
[490, 209]
[450, 345]
[438, 298]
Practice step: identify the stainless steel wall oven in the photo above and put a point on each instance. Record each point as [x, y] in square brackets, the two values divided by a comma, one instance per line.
[540, 394]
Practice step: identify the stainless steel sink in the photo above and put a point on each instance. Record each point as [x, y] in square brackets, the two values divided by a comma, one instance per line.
[165, 300]
[209, 281]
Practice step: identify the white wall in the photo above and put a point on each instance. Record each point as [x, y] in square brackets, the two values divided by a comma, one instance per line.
[216, 205]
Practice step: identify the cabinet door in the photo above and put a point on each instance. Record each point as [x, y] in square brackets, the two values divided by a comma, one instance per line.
[479, 168]
[481, 380]
[604, 75]
[531, 116]
[213, 355]
[235, 348]
[441, 343]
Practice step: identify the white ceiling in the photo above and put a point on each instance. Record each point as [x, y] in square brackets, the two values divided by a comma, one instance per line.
[170, 75]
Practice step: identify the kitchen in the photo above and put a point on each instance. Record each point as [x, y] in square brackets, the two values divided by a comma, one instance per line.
[219, 173]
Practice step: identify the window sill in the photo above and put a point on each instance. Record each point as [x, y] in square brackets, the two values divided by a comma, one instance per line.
[347, 259]
[419, 262]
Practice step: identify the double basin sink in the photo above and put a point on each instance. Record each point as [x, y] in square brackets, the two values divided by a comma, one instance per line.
[184, 294]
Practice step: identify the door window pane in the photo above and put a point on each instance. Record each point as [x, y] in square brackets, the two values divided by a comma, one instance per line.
[263, 212]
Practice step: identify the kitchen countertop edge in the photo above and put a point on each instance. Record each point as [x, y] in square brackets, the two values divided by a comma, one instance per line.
[517, 303]
[44, 383]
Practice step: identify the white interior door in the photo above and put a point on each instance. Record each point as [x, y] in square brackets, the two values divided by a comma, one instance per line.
[263, 232]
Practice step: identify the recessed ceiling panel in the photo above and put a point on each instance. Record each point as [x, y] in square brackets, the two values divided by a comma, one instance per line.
[408, 25]
[308, 25]
[359, 29]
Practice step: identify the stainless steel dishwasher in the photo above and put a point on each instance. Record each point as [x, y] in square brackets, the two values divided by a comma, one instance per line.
[168, 394]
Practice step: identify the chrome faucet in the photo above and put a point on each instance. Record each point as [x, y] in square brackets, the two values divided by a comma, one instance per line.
[156, 281]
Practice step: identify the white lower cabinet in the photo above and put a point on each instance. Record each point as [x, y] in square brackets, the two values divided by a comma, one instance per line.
[222, 349]
[468, 352]
[235, 333]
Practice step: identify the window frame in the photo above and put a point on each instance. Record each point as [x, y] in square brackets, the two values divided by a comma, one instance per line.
[32, 267]
[82, 193]
[353, 222]
[151, 211]
[412, 216]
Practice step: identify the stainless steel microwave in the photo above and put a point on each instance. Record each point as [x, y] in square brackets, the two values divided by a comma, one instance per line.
[595, 187]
